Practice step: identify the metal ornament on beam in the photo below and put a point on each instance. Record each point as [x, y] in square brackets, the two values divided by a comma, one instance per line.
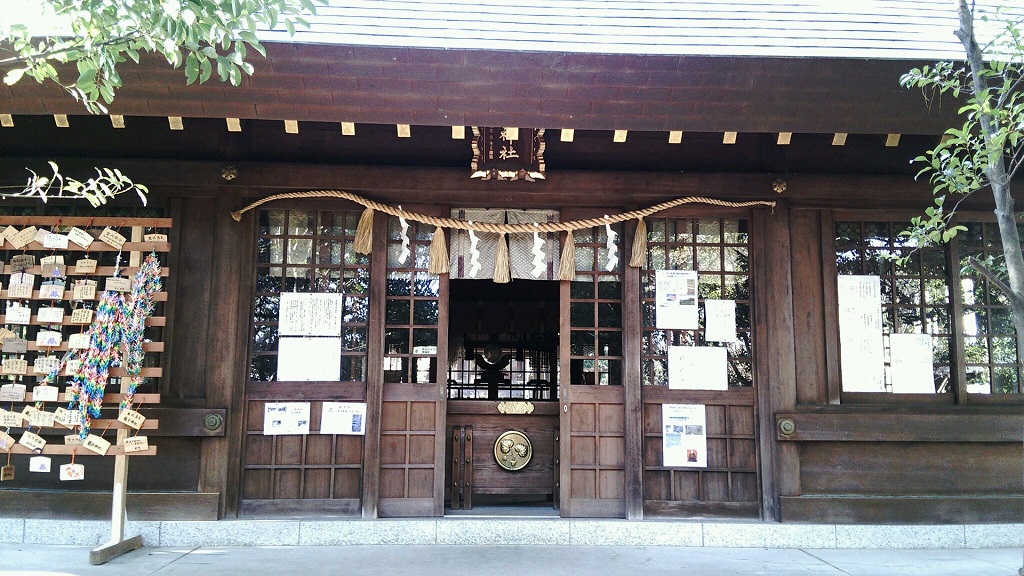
[508, 154]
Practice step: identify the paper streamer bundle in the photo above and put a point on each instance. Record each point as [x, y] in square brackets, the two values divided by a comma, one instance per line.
[439, 264]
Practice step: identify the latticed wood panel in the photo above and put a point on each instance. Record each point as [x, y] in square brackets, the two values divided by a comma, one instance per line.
[407, 449]
[317, 472]
[729, 485]
[596, 453]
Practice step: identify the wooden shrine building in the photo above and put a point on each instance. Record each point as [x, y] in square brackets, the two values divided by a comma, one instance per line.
[617, 106]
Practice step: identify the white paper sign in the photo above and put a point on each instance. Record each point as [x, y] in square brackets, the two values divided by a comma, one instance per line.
[343, 418]
[910, 363]
[685, 436]
[309, 359]
[676, 299]
[698, 368]
[285, 418]
[860, 334]
[720, 320]
[309, 314]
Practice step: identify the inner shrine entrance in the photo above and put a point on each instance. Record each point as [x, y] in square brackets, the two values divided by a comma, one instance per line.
[503, 394]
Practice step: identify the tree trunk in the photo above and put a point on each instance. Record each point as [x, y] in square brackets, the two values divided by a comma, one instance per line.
[998, 179]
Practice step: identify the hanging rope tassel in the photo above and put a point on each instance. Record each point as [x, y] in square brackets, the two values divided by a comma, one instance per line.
[567, 267]
[364, 233]
[639, 256]
[502, 272]
[438, 253]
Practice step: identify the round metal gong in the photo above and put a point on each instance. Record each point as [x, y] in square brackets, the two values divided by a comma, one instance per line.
[512, 450]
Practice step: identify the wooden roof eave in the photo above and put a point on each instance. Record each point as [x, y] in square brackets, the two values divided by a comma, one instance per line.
[364, 84]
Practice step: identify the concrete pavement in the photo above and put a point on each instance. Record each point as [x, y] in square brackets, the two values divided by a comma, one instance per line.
[410, 560]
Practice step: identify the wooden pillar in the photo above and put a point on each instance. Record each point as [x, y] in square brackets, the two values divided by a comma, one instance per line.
[375, 366]
[776, 356]
[631, 341]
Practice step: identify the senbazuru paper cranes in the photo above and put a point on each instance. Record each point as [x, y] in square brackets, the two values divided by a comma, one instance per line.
[119, 323]
[137, 308]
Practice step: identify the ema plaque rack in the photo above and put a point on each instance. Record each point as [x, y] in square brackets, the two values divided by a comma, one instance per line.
[82, 311]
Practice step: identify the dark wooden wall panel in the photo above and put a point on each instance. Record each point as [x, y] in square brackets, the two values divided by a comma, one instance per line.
[911, 469]
[808, 319]
[194, 259]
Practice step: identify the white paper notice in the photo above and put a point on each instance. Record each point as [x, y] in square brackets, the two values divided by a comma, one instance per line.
[285, 418]
[697, 368]
[343, 418]
[309, 359]
[676, 299]
[911, 363]
[685, 439]
[720, 320]
[860, 334]
[309, 314]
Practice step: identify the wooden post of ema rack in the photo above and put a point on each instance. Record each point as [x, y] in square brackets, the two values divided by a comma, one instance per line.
[118, 516]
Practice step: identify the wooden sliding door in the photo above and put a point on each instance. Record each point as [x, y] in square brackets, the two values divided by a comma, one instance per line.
[593, 427]
[304, 251]
[717, 248]
[411, 376]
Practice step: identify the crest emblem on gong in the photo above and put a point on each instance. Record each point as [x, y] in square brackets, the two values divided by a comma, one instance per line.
[512, 450]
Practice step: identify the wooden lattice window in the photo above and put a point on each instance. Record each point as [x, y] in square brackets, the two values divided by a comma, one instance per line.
[718, 250]
[915, 292]
[990, 351]
[309, 251]
[411, 311]
[595, 311]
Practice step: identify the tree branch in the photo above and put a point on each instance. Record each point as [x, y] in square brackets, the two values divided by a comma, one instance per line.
[130, 35]
[991, 277]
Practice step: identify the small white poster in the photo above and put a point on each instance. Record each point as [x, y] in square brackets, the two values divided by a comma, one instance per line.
[911, 364]
[720, 320]
[285, 418]
[315, 314]
[309, 359]
[343, 418]
[685, 439]
[698, 368]
[676, 299]
[860, 334]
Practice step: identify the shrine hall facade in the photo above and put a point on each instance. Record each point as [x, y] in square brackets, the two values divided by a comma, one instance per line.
[759, 353]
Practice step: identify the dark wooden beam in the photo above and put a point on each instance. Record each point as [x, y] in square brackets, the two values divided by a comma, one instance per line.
[915, 509]
[876, 426]
[453, 185]
[66, 505]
